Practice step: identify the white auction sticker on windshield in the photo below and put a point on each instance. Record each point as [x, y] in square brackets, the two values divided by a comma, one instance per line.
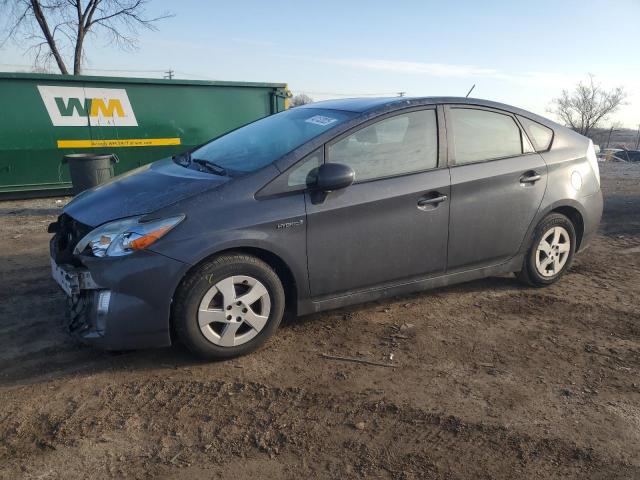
[321, 120]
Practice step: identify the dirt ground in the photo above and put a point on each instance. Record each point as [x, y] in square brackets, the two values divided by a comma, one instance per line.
[491, 380]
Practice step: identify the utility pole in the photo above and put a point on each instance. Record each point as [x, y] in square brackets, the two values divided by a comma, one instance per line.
[169, 74]
[609, 137]
[638, 138]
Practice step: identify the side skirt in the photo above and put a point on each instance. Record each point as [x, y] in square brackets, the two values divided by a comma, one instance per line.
[306, 307]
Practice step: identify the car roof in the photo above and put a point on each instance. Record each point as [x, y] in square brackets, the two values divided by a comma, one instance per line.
[375, 104]
[356, 104]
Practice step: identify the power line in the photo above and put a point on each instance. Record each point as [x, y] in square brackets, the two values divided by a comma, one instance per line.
[170, 74]
[124, 70]
[202, 77]
[159, 70]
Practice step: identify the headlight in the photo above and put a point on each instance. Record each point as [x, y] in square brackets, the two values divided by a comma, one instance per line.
[123, 237]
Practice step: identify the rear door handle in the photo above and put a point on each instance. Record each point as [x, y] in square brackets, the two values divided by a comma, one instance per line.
[426, 202]
[531, 177]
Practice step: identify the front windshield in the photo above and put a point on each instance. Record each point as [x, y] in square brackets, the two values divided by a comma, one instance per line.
[264, 141]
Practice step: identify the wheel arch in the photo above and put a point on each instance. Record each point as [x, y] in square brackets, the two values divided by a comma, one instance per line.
[281, 268]
[570, 209]
[275, 261]
[574, 215]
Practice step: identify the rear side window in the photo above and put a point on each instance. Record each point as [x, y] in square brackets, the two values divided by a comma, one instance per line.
[481, 135]
[394, 146]
[540, 135]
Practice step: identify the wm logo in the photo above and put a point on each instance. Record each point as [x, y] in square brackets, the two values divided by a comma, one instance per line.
[92, 107]
[78, 106]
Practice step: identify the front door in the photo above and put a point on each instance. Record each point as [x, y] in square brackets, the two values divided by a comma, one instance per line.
[391, 225]
[497, 185]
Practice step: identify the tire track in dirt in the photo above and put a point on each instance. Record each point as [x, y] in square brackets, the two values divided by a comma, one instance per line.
[238, 419]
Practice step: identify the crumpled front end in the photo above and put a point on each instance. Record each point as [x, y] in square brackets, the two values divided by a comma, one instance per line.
[119, 303]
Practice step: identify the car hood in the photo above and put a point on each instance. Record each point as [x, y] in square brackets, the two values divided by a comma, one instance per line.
[140, 191]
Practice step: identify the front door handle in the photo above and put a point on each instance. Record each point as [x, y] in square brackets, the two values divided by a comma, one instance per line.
[530, 177]
[426, 202]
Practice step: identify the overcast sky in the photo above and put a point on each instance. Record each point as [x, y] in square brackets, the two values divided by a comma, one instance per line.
[521, 53]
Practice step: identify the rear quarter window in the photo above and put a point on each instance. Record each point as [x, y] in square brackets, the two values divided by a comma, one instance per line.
[480, 135]
[539, 135]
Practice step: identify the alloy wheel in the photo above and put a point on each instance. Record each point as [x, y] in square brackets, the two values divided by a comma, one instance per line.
[552, 252]
[234, 310]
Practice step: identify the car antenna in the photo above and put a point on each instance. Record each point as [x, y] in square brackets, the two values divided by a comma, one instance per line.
[470, 90]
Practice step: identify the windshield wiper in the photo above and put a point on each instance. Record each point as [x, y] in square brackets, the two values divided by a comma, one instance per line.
[212, 167]
[183, 159]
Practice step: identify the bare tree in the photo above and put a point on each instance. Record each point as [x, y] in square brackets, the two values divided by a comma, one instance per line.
[300, 99]
[588, 105]
[58, 29]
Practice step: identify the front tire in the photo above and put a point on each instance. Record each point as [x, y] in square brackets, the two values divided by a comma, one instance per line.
[228, 306]
[551, 252]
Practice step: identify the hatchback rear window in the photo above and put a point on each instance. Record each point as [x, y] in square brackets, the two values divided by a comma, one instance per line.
[539, 135]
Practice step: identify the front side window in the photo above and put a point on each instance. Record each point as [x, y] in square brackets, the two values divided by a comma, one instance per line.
[397, 145]
[482, 135]
[540, 135]
[262, 142]
[304, 173]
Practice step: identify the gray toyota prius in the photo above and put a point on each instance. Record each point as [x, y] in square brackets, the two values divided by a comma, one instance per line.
[321, 206]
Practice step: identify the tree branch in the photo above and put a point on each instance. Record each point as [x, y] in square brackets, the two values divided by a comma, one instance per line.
[65, 24]
[42, 21]
[587, 106]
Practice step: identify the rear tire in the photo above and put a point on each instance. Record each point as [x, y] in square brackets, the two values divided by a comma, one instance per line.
[551, 251]
[228, 306]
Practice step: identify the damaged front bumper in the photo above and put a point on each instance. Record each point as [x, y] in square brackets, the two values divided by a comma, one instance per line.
[87, 303]
[120, 303]
[72, 280]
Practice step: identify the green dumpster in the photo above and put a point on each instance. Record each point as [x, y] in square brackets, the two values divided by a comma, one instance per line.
[45, 117]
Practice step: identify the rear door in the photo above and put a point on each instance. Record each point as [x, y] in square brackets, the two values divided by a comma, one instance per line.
[497, 185]
[391, 224]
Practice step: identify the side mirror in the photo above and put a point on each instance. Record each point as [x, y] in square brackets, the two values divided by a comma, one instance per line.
[333, 176]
